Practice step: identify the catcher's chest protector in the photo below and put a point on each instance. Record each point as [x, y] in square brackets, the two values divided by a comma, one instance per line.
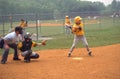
[26, 46]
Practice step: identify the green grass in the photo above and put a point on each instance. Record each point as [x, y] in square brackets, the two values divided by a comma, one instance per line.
[96, 36]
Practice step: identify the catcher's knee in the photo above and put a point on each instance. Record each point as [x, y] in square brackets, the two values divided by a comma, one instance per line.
[29, 51]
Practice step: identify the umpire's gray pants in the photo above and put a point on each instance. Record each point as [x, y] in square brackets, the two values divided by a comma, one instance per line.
[6, 52]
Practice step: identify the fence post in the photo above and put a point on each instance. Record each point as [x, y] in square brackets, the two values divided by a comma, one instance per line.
[10, 18]
[3, 26]
[39, 26]
[36, 27]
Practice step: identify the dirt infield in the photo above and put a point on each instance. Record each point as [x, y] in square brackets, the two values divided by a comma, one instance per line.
[46, 24]
[54, 64]
[61, 24]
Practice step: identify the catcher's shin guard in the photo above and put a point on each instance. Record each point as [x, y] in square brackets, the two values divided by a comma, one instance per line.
[27, 56]
[35, 56]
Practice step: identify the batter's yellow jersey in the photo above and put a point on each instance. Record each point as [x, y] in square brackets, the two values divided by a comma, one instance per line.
[76, 29]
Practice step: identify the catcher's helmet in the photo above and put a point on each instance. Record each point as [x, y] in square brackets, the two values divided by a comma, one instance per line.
[26, 36]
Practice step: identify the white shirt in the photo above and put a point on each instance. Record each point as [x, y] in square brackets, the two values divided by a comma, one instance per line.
[12, 38]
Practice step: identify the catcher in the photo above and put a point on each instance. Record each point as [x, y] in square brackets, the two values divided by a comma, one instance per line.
[25, 48]
[77, 30]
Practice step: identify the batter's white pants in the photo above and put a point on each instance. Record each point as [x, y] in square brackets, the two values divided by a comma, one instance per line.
[76, 40]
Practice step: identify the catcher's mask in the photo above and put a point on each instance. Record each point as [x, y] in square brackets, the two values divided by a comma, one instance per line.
[27, 38]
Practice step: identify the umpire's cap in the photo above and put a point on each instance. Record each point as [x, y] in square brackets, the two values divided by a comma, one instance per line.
[19, 29]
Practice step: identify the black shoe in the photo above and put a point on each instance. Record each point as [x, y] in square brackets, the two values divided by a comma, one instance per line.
[69, 54]
[27, 61]
[90, 53]
[2, 62]
[16, 59]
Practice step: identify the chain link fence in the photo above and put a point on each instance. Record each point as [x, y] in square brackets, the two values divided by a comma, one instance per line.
[53, 24]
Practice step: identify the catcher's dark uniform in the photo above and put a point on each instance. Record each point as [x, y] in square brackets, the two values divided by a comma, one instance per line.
[25, 47]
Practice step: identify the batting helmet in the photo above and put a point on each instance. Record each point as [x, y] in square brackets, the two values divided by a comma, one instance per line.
[77, 19]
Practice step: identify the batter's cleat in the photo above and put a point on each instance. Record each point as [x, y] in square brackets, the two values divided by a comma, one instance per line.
[69, 54]
[16, 59]
[90, 53]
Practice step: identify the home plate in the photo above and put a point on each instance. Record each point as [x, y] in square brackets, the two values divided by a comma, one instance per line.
[77, 58]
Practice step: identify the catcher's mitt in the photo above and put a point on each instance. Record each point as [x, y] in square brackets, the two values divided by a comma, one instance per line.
[44, 42]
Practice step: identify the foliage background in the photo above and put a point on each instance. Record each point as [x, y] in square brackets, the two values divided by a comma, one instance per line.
[55, 6]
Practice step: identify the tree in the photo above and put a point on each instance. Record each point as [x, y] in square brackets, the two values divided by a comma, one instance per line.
[49, 6]
[4, 6]
[114, 5]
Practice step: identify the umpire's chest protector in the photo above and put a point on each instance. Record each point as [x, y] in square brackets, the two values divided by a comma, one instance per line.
[26, 45]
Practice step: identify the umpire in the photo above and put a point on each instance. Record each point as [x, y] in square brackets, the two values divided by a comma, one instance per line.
[10, 41]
